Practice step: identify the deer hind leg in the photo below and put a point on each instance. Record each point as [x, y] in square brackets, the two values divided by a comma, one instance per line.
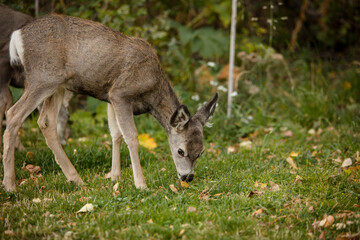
[48, 124]
[5, 103]
[116, 144]
[16, 115]
[125, 120]
[63, 117]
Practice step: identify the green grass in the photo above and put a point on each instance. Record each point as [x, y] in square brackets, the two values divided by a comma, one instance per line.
[158, 213]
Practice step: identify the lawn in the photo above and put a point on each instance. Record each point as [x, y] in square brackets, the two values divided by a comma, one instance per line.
[272, 171]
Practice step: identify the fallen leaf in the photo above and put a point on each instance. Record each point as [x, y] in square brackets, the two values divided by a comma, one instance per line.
[173, 188]
[288, 133]
[217, 194]
[298, 179]
[356, 205]
[274, 186]
[147, 141]
[291, 162]
[257, 212]
[182, 231]
[9, 232]
[311, 208]
[231, 149]
[311, 132]
[348, 236]
[167, 199]
[30, 155]
[86, 208]
[327, 221]
[294, 154]
[346, 163]
[261, 185]
[22, 181]
[322, 235]
[48, 200]
[191, 209]
[150, 221]
[340, 226]
[204, 196]
[32, 168]
[184, 184]
[163, 169]
[246, 144]
[36, 200]
[115, 187]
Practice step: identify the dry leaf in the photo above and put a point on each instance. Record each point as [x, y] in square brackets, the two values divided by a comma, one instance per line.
[9, 232]
[322, 235]
[340, 226]
[86, 208]
[36, 200]
[218, 194]
[107, 175]
[327, 221]
[261, 185]
[182, 231]
[291, 162]
[288, 133]
[246, 144]
[32, 168]
[48, 200]
[311, 132]
[298, 179]
[191, 209]
[30, 155]
[173, 188]
[257, 212]
[163, 169]
[347, 162]
[167, 199]
[115, 187]
[274, 186]
[311, 208]
[204, 196]
[184, 184]
[22, 181]
[150, 221]
[231, 149]
[294, 154]
[147, 141]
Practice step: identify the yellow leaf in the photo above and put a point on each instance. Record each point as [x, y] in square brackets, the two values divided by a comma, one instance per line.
[147, 141]
[294, 154]
[184, 184]
[291, 162]
[257, 212]
[261, 185]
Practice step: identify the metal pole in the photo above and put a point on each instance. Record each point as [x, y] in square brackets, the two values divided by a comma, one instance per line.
[232, 53]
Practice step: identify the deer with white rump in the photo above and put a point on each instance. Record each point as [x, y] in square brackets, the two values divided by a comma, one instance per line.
[60, 53]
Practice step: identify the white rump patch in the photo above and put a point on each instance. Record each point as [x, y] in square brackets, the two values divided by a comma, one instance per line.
[16, 48]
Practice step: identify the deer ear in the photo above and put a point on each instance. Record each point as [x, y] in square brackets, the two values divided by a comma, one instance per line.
[206, 111]
[180, 118]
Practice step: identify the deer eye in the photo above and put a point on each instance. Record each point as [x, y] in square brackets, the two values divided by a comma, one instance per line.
[180, 152]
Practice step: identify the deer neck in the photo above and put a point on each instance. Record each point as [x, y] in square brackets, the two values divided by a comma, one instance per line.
[165, 106]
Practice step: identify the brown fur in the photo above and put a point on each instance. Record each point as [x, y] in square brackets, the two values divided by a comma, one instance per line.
[82, 56]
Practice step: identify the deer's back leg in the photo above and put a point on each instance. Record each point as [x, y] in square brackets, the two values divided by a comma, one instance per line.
[5, 94]
[125, 120]
[15, 116]
[116, 143]
[48, 124]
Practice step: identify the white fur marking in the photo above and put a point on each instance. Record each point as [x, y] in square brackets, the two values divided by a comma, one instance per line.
[16, 48]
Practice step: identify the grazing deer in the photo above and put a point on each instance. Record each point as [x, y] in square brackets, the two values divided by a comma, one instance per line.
[10, 21]
[61, 53]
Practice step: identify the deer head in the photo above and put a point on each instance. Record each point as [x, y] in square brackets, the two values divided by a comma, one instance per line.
[186, 137]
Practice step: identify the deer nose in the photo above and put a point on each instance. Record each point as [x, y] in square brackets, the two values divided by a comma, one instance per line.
[187, 178]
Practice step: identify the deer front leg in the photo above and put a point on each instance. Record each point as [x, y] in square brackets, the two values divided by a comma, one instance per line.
[116, 144]
[125, 119]
[48, 124]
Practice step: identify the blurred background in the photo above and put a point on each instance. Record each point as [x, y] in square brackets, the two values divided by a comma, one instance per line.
[296, 61]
